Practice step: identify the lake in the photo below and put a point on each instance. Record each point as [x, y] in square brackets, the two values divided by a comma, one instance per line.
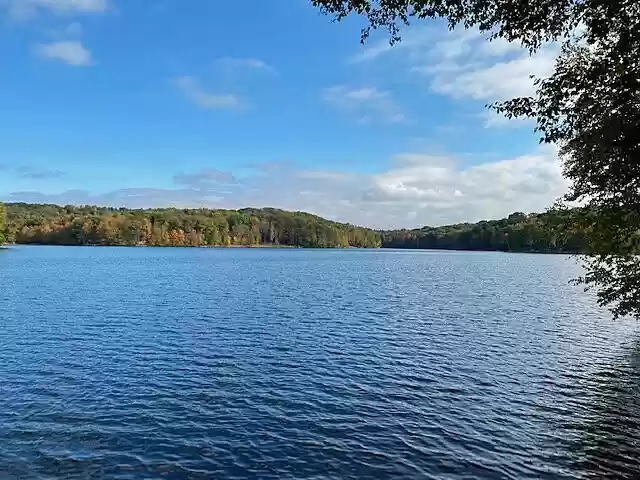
[261, 363]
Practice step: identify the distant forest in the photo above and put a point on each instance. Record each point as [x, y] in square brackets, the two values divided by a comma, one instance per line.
[551, 232]
[90, 225]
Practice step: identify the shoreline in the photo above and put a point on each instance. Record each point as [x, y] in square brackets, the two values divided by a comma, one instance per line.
[293, 247]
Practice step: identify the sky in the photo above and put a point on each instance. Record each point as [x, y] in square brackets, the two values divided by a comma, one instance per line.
[158, 103]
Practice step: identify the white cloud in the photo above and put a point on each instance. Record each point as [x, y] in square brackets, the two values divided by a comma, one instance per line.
[245, 63]
[23, 9]
[191, 88]
[415, 189]
[70, 52]
[441, 192]
[463, 64]
[366, 105]
[463, 78]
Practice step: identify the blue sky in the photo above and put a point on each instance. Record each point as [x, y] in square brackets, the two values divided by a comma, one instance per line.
[232, 104]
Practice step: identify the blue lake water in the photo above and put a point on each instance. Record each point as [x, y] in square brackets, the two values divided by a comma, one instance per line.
[175, 363]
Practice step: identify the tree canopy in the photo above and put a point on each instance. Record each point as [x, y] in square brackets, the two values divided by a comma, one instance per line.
[589, 107]
[88, 225]
[519, 232]
[3, 237]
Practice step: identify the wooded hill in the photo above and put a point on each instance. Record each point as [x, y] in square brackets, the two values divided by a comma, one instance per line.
[551, 232]
[90, 225]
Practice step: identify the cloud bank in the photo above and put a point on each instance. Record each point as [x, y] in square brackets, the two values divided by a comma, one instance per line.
[415, 189]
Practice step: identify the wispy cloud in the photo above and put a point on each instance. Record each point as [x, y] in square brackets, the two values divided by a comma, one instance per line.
[25, 9]
[366, 105]
[413, 42]
[143, 197]
[463, 64]
[273, 166]
[35, 173]
[463, 77]
[192, 90]
[245, 63]
[204, 178]
[73, 29]
[70, 52]
[371, 52]
[320, 175]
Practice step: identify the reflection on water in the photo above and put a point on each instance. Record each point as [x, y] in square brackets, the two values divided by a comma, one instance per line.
[609, 441]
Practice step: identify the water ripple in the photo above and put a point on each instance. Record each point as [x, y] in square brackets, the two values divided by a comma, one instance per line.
[187, 364]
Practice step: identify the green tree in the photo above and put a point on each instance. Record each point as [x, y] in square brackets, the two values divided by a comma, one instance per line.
[3, 235]
[589, 107]
[52, 224]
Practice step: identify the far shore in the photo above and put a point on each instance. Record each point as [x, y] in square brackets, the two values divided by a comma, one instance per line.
[289, 247]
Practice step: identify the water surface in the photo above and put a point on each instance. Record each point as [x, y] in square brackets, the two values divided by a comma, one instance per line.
[212, 363]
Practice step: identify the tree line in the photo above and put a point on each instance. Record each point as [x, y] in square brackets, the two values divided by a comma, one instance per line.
[89, 225]
[552, 232]
[3, 236]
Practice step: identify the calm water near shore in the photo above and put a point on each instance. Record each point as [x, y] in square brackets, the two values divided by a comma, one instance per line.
[263, 363]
